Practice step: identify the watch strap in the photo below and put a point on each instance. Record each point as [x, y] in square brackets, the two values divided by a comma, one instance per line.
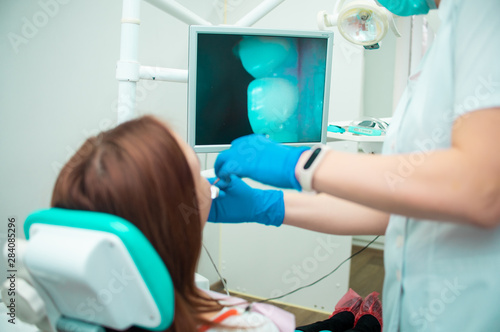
[306, 171]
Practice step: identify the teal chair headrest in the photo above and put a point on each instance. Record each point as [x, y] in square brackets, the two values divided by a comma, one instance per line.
[145, 257]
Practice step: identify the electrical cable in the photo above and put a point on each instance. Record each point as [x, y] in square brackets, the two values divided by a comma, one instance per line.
[323, 277]
[299, 288]
[217, 270]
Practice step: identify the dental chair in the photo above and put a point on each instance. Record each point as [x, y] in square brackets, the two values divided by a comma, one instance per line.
[83, 271]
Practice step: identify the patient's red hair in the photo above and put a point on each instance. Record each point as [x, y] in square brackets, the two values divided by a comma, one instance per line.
[138, 171]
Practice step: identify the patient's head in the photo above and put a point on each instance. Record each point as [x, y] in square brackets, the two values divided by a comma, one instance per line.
[144, 173]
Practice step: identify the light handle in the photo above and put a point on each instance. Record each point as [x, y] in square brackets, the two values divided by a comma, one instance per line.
[361, 22]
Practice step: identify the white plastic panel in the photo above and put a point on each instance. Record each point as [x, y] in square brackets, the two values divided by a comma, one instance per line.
[90, 276]
[201, 282]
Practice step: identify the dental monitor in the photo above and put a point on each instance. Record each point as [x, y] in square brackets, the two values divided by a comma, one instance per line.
[248, 80]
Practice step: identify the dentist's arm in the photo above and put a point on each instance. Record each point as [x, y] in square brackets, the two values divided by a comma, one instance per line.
[327, 214]
[459, 184]
[239, 203]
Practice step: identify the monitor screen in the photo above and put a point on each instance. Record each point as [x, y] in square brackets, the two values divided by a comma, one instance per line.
[248, 80]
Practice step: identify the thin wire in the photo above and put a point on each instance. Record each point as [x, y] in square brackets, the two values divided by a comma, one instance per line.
[217, 270]
[320, 279]
[295, 290]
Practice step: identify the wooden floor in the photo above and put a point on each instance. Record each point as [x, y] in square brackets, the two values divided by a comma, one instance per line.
[367, 271]
[367, 275]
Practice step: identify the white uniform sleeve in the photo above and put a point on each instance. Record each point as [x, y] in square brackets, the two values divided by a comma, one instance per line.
[477, 61]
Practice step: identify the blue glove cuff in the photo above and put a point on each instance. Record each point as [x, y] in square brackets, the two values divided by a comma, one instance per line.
[273, 206]
[292, 159]
[238, 202]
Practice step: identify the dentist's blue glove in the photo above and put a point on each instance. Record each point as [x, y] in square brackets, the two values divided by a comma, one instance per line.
[238, 203]
[261, 159]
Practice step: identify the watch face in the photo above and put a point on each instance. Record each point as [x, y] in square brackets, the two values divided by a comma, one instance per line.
[312, 158]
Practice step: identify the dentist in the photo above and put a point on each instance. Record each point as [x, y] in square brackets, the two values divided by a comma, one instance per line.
[434, 192]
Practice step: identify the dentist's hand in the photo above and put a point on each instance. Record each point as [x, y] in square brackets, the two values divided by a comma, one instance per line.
[238, 203]
[261, 159]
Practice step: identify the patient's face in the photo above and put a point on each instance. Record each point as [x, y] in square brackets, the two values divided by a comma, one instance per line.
[201, 184]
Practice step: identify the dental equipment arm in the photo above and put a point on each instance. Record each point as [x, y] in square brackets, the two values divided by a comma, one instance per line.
[128, 69]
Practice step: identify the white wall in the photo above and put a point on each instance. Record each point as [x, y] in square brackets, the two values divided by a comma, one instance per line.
[379, 79]
[58, 86]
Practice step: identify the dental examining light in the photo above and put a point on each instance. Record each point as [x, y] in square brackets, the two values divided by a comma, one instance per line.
[361, 22]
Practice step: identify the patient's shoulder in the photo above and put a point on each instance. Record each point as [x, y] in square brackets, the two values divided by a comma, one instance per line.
[252, 317]
[240, 320]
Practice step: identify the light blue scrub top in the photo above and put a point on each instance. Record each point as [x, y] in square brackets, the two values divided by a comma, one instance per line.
[444, 276]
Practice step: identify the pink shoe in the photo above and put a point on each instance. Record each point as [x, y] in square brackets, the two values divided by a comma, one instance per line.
[351, 302]
[371, 306]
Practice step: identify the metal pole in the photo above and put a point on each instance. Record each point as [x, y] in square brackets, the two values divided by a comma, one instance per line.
[258, 12]
[127, 69]
[182, 13]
